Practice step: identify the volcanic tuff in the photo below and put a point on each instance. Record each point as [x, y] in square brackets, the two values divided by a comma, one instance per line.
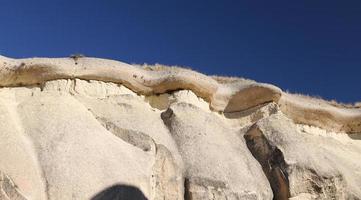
[89, 128]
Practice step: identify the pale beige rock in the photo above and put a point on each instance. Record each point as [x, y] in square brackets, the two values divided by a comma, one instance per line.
[217, 161]
[319, 113]
[222, 95]
[93, 129]
[322, 164]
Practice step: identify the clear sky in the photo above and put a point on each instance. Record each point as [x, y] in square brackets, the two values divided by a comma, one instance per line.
[311, 47]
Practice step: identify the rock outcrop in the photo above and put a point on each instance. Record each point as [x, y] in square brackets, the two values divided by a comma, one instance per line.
[99, 129]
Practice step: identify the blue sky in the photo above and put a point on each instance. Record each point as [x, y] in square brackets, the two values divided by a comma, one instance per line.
[311, 47]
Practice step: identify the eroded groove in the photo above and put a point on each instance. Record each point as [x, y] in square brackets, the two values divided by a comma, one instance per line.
[135, 138]
[167, 176]
[271, 160]
[8, 189]
[187, 193]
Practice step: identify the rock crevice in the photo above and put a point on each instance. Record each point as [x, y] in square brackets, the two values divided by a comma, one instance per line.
[271, 160]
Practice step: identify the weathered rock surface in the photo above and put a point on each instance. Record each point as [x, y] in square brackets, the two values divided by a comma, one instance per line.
[100, 129]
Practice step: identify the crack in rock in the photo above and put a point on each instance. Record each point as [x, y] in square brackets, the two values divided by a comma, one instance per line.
[8, 189]
[271, 160]
[167, 177]
[135, 138]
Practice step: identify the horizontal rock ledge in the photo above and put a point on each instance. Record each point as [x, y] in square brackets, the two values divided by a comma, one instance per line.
[222, 97]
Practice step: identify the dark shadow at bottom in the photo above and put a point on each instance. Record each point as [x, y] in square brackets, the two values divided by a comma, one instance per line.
[120, 192]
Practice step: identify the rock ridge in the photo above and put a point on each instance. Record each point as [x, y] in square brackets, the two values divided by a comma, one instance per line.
[96, 140]
[223, 96]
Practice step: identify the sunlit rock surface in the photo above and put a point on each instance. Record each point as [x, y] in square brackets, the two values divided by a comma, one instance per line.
[100, 129]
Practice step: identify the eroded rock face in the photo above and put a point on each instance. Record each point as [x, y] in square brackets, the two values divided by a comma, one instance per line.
[211, 172]
[318, 164]
[88, 139]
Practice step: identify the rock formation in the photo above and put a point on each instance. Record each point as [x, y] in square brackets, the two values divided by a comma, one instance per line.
[90, 128]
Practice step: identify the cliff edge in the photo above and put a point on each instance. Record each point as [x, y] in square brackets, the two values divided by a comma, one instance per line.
[90, 128]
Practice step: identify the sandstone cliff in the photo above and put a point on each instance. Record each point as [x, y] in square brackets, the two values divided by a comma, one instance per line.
[88, 128]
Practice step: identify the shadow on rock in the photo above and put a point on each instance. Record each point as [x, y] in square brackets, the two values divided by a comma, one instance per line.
[355, 136]
[120, 192]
